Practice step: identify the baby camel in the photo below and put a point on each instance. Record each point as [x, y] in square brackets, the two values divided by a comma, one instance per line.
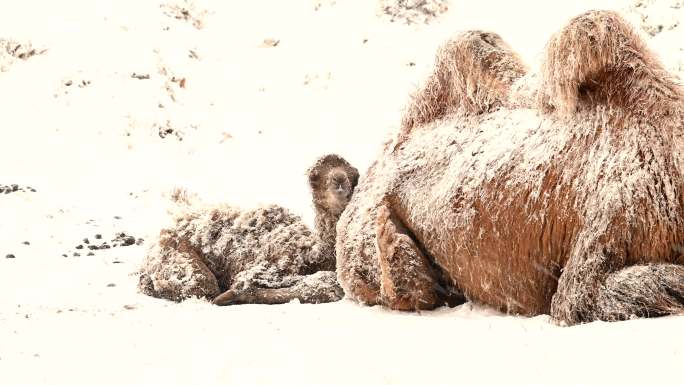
[267, 255]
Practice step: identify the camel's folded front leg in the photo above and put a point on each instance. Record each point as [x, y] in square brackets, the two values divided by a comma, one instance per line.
[408, 280]
[174, 270]
[320, 287]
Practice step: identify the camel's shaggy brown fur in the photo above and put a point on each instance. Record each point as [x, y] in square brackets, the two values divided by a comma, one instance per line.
[572, 205]
[599, 59]
[266, 255]
[473, 74]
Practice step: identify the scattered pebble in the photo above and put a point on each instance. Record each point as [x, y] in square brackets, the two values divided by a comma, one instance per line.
[120, 240]
[10, 256]
[129, 307]
[64, 255]
[111, 285]
[140, 76]
[123, 240]
[26, 243]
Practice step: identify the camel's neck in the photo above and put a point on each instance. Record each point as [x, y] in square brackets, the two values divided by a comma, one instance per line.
[325, 225]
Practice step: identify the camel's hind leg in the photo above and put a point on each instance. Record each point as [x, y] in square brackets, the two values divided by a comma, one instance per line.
[643, 291]
[594, 286]
[320, 287]
[408, 281]
[174, 270]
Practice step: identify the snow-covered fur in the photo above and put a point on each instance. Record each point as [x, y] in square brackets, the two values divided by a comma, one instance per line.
[267, 255]
[473, 74]
[568, 203]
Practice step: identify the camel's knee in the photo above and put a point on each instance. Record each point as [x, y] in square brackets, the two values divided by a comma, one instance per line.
[407, 280]
[599, 59]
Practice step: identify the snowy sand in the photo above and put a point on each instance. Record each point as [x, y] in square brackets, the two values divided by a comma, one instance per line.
[256, 90]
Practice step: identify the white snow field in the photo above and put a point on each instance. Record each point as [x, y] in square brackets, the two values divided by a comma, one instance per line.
[256, 90]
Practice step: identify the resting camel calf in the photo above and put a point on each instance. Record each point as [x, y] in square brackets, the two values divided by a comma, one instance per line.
[570, 205]
[264, 256]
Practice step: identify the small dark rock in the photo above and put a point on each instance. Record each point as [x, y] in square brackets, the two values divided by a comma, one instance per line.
[93, 247]
[123, 240]
[15, 187]
[32, 189]
[77, 254]
[110, 285]
[10, 256]
[90, 254]
[139, 241]
[98, 236]
[64, 255]
[117, 262]
[117, 217]
[79, 247]
[104, 246]
[26, 243]
[86, 241]
[140, 76]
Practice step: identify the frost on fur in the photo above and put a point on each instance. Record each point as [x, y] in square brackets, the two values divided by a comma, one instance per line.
[473, 74]
[599, 59]
[572, 206]
[267, 255]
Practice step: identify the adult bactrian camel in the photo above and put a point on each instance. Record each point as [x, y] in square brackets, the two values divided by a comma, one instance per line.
[559, 192]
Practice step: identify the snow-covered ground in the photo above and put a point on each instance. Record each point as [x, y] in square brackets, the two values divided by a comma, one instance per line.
[123, 100]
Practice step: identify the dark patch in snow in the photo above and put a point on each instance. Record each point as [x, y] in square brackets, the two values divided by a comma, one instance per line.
[13, 188]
